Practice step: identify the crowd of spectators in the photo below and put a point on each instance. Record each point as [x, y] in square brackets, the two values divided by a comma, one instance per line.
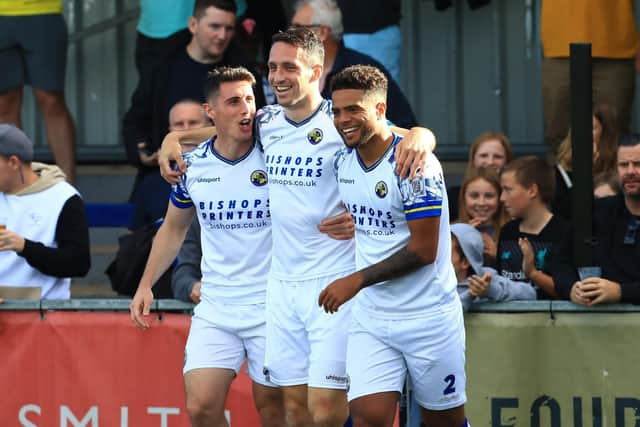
[513, 238]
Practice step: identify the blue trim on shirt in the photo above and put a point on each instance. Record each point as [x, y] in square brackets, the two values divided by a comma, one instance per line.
[308, 119]
[391, 146]
[423, 212]
[180, 203]
[231, 162]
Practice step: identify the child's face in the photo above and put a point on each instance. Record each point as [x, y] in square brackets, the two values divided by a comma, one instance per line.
[481, 201]
[515, 197]
[460, 264]
[490, 153]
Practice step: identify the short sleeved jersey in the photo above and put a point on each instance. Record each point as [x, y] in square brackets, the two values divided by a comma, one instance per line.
[303, 192]
[232, 204]
[382, 205]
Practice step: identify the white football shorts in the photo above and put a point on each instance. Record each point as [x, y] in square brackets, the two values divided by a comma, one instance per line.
[305, 345]
[223, 336]
[431, 349]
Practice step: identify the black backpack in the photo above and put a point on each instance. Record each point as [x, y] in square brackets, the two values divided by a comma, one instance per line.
[126, 269]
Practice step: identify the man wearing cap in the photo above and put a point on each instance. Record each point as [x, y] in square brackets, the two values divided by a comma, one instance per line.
[45, 238]
[476, 282]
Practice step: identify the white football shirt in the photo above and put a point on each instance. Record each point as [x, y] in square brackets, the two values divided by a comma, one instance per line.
[382, 204]
[232, 204]
[303, 191]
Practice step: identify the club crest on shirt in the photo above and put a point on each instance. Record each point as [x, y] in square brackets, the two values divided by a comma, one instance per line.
[259, 178]
[381, 189]
[315, 136]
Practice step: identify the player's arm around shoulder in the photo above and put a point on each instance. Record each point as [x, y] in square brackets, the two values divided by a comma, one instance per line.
[165, 248]
[412, 151]
[171, 151]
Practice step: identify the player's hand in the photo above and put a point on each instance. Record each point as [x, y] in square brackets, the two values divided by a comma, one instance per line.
[141, 307]
[411, 153]
[10, 241]
[338, 292]
[195, 292]
[528, 260]
[338, 227]
[171, 151]
[479, 286]
[600, 291]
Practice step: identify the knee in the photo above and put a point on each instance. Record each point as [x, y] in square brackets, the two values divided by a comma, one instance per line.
[10, 105]
[296, 414]
[329, 416]
[51, 102]
[272, 416]
[200, 409]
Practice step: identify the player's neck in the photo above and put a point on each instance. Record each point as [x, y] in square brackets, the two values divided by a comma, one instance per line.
[372, 151]
[231, 149]
[303, 109]
[535, 219]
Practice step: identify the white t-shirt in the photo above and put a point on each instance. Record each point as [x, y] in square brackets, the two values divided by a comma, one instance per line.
[232, 204]
[381, 205]
[303, 192]
[35, 217]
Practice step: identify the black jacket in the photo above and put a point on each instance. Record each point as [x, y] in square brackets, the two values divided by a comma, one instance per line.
[620, 262]
[399, 110]
[147, 118]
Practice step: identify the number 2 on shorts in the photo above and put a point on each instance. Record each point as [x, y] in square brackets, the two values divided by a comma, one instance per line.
[451, 382]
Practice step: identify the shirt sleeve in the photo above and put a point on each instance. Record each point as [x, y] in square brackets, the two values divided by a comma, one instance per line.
[422, 196]
[72, 256]
[180, 197]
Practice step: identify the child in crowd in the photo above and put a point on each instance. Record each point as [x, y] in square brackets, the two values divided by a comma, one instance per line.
[475, 281]
[535, 242]
[480, 207]
[490, 149]
[605, 184]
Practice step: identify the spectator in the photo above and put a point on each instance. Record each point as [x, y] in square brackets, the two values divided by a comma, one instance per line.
[481, 208]
[325, 19]
[151, 193]
[33, 51]
[180, 77]
[46, 240]
[373, 28]
[162, 27]
[615, 47]
[475, 281]
[187, 274]
[605, 185]
[604, 141]
[616, 221]
[535, 241]
[490, 149]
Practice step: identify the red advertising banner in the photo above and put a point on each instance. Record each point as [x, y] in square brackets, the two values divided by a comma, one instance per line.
[90, 369]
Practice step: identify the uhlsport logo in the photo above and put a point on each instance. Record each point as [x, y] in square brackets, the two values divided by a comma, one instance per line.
[259, 178]
[315, 136]
[381, 189]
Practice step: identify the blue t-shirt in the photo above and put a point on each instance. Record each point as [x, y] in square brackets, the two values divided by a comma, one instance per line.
[161, 18]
